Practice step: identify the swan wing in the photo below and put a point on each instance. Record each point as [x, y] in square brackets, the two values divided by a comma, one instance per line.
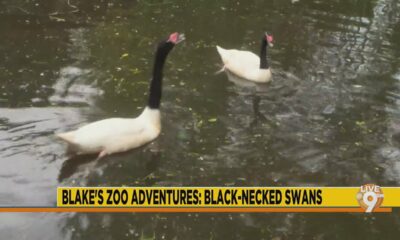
[242, 63]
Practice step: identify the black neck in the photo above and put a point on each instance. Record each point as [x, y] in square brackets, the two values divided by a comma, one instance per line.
[156, 82]
[263, 55]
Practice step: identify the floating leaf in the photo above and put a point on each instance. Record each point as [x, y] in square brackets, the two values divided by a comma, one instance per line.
[360, 123]
[211, 120]
[57, 19]
[135, 70]
[199, 124]
[124, 55]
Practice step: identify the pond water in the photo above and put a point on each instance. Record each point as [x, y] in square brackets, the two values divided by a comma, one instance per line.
[331, 117]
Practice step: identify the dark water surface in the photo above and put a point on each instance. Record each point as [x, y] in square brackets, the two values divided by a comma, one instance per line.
[331, 117]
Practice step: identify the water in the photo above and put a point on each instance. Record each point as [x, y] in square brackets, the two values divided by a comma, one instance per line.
[331, 117]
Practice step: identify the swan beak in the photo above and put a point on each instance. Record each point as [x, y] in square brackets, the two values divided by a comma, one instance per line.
[176, 38]
[181, 37]
[269, 39]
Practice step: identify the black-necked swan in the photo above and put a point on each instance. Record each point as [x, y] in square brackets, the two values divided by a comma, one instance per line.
[121, 134]
[246, 64]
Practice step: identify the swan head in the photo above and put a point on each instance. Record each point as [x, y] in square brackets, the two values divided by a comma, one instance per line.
[270, 39]
[176, 38]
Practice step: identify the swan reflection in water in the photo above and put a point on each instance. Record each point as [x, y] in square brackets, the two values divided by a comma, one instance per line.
[274, 92]
[88, 164]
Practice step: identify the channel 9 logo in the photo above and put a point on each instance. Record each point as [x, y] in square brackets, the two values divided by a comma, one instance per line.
[370, 197]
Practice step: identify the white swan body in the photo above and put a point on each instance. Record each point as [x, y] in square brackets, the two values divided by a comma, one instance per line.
[244, 64]
[248, 65]
[121, 134]
[115, 134]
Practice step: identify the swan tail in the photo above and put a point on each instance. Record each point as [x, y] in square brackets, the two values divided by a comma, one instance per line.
[221, 52]
[224, 54]
[67, 137]
[219, 49]
[72, 147]
[220, 71]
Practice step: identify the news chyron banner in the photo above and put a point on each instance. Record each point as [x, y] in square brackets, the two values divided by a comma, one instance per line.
[367, 198]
